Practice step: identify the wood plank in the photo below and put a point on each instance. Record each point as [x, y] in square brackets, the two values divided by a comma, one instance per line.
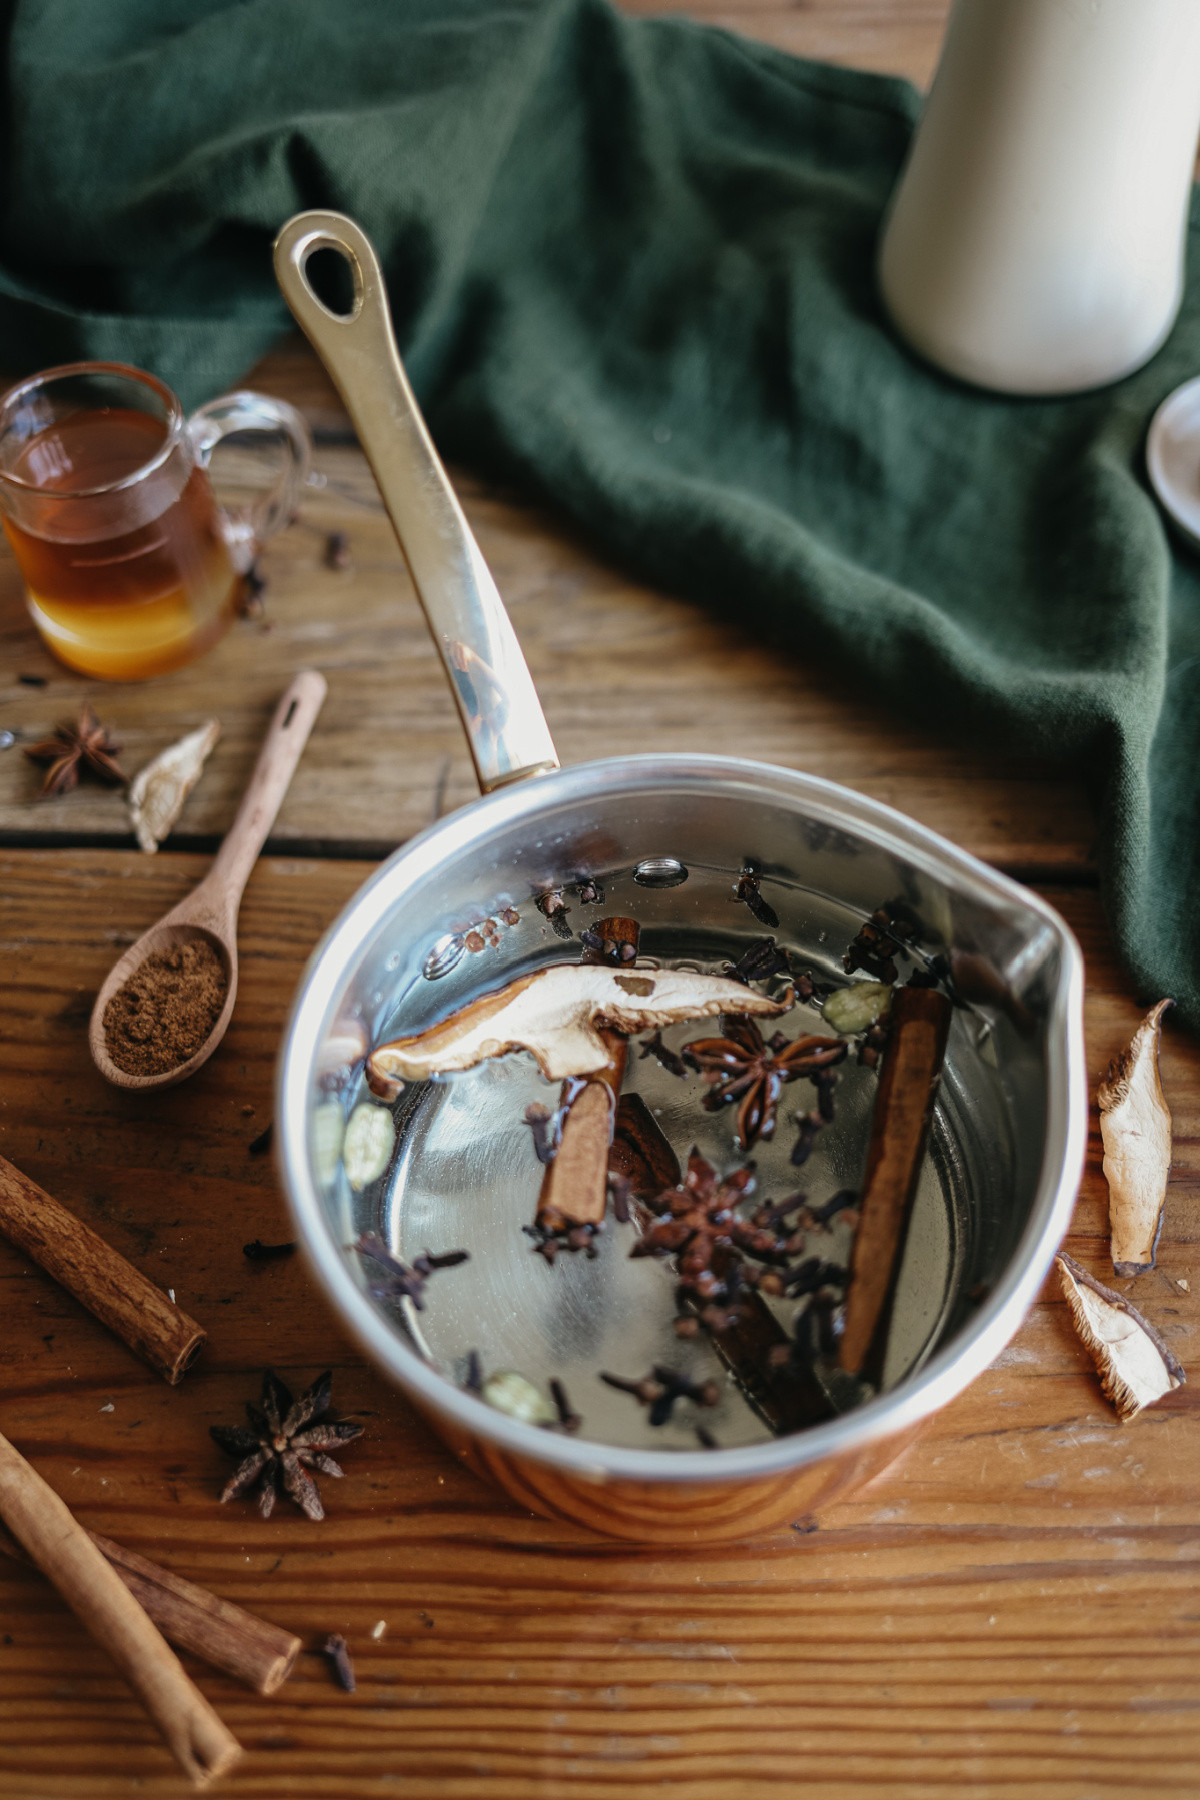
[893, 37]
[620, 669]
[1015, 1603]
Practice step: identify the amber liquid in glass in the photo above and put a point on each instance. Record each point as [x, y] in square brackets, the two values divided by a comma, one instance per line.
[141, 600]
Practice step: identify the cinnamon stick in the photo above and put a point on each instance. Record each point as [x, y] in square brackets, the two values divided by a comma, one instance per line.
[912, 1067]
[641, 1150]
[119, 1295]
[190, 1617]
[575, 1185]
[202, 1746]
[787, 1396]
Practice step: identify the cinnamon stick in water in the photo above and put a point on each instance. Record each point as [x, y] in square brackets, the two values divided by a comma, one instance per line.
[192, 1618]
[785, 1398]
[62, 1550]
[912, 1067]
[575, 1185]
[641, 1151]
[119, 1295]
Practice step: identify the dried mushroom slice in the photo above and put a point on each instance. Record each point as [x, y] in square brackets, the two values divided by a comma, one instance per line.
[558, 1014]
[1136, 1368]
[1135, 1124]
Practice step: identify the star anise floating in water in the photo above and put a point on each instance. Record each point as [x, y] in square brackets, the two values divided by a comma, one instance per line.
[742, 1065]
[282, 1442]
[73, 748]
[697, 1224]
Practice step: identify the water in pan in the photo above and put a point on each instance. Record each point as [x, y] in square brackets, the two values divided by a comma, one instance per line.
[466, 1176]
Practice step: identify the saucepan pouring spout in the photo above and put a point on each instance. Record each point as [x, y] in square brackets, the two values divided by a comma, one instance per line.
[497, 701]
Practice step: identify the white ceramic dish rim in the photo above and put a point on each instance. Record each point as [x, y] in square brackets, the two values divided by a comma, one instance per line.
[947, 1372]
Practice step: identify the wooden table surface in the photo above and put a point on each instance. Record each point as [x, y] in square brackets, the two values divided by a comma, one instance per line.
[1015, 1605]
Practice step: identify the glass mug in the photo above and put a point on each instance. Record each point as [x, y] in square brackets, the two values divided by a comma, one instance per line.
[131, 567]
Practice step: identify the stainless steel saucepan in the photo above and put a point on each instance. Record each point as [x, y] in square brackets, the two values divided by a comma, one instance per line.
[664, 838]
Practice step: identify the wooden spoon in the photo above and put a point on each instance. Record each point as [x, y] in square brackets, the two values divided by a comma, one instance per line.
[210, 912]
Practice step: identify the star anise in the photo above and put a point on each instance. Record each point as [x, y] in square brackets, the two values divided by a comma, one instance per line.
[695, 1225]
[742, 1065]
[282, 1442]
[73, 748]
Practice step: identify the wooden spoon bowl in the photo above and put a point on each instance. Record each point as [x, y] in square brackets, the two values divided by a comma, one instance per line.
[209, 913]
[169, 933]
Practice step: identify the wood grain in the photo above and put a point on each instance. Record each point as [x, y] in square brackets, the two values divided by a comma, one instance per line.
[1014, 1607]
[619, 668]
[1017, 1603]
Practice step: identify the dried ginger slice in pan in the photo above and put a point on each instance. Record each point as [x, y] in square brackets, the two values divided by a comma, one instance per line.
[1135, 1124]
[1136, 1367]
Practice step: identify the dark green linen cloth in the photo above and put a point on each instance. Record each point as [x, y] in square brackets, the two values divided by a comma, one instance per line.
[631, 264]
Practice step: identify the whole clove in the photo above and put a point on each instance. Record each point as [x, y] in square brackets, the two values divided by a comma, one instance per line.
[337, 551]
[761, 960]
[568, 1418]
[553, 907]
[662, 1388]
[257, 1251]
[825, 1081]
[619, 1189]
[591, 893]
[400, 1280]
[337, 1650]
[809, 1124]
[473, 1381]
[664, 1055]
[544, 1126]
[250, 598]
[748, 891]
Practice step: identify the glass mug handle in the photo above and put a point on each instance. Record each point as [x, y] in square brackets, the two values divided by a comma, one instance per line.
[248, 526]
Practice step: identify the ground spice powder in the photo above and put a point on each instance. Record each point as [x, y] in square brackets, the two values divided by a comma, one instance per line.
[166, 1009]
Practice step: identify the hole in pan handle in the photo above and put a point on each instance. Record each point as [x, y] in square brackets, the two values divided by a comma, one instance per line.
[497, 701]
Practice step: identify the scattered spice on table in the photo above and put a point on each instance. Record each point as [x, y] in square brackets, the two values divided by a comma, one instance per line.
[282, 1442]
[32, 680]
[337, 1650]
[166, 1010]
[337, 551]
[72, 749]
[250, 596]
[260, 1252]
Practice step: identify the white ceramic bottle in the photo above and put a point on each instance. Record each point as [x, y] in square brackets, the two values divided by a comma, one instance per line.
[1036, 237]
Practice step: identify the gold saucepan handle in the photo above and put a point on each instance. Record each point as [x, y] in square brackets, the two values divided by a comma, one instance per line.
[497, 701]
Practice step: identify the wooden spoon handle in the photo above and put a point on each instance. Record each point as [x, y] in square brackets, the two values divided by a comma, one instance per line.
[294, 719]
